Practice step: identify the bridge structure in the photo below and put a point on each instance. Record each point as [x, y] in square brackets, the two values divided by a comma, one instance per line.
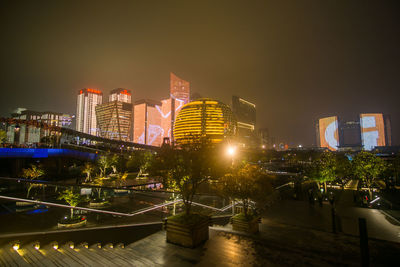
[56, 137]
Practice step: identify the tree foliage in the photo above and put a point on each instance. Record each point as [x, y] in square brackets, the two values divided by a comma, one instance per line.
[88, 169]
[32, 173]
[247, 183]
[71, 197]
[106, 162]
[323, 169]
[186, 168]
[3, 136]
[366, 167]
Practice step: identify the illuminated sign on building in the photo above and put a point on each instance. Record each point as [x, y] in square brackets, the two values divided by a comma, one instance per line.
[372, 130]
[328, 133]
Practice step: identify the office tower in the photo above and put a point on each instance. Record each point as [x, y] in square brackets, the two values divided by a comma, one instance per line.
[245, 113]
[88, 99]
[120, 94]
[114, 120]
[170, 107]
[147, 122]
[179, 88]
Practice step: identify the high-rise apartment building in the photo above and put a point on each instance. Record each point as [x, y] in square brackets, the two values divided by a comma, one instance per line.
[88, 99]
[147, 122]
[120, 94]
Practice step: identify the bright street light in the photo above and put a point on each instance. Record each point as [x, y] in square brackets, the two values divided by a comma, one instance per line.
[231, 150]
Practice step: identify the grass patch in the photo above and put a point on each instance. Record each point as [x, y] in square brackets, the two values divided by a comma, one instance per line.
[191, 219]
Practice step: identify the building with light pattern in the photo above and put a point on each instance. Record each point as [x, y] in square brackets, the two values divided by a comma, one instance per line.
[207, 118]
[147, 127]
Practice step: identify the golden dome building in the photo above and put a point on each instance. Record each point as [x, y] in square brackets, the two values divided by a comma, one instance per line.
[204, 118]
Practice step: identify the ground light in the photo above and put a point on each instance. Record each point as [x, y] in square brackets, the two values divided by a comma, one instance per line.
[55, 245]
[16, 246]
[37, 246]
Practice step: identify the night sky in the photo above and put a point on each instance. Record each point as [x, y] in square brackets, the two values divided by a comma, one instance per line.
[296, 60]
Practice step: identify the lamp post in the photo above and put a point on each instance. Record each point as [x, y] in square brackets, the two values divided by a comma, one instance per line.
[231, 151]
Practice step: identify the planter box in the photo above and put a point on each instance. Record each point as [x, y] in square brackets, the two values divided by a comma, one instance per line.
[242, 225]
[187, 235]
[72, 225]
[98, 204]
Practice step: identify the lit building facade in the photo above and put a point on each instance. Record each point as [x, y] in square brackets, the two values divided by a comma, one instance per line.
[28, 134]
[245, 113]
[120, 94]
[114, 120]
[147, 122]
[204, 118]
[370, 131]
[170, 107]
[87, 101]
[179, 88]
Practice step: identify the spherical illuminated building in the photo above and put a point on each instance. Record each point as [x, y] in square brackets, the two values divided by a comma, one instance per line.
[204, 118]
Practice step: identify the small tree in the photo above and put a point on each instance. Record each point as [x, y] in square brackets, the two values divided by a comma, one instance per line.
[71, 197]
[323, 169]
[105, 162]
[88, 170]
[367, 167]
[32, 173]
[189, 169]
[243, 183]
[121, 178]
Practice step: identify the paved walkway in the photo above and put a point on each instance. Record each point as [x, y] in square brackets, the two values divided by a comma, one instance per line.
[275, 245]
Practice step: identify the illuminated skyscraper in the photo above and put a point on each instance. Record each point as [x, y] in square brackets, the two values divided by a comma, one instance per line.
[147, 122]
[88, 99]
[245, 113]
[114, 120]
[179, 96]
[120, 94]
[179, 88]
[328, 133]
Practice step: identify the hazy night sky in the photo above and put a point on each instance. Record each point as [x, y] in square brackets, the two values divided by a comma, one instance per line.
[296, 60]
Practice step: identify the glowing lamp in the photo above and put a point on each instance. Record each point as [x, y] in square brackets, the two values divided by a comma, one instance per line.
[16, 246]
[231, 151]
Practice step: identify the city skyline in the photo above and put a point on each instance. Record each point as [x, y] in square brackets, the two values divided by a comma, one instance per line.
[344, 58]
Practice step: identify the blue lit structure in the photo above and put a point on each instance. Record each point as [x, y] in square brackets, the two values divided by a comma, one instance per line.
[45, 153]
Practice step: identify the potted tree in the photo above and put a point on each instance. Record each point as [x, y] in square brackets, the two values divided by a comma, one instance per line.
[73, 199]
[186, 168]
[245, 184]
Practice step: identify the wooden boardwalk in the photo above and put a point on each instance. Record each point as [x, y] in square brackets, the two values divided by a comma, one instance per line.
[276, 245]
